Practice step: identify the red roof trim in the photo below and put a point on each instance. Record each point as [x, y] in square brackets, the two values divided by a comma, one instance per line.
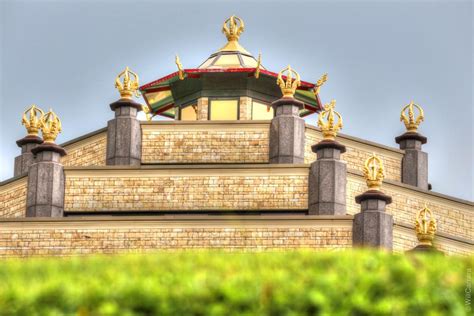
[193, 71]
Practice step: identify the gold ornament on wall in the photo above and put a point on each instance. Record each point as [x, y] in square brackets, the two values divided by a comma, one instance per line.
[32, 120]
[127, 86]
[289, 85]
[320, 83]
[147, 112]
[374, 172]
[407, 116]
[180, 68]
[50, 126]
[425, 226]
[327, 121]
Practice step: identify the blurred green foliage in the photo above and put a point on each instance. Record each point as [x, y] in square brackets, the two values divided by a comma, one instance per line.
[222, 283]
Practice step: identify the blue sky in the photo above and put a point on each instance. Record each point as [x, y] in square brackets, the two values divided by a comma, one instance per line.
[379, 56]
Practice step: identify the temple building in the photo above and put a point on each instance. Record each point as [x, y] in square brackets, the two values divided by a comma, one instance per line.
[235, 168]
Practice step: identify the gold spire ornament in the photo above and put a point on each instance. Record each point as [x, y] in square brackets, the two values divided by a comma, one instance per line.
[32, 120]
[232, 28]
[259, 64]
[411, 122]
[147, 112]
[180, 68]
[320, 83]
[288, 87]
[374, 172]
[327, 123]
[127, 86]
[425, 226]
[50, 126]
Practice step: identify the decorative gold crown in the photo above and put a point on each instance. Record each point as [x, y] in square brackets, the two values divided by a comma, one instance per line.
[32, 123]
[50, 126]
[320, 83]
[425, 226]
[180, 68]
[289, 86]
[329, 127]
[374, 172]
[127, 87]
[411, 123]
[231, 29]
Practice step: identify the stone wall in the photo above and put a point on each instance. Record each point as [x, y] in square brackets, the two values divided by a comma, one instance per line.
[13, 198]
[249, 187]
[455, 218]
[204, 142]
[86, 151]
[71, 236]
[357, 152]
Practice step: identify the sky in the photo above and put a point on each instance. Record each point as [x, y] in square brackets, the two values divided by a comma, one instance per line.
[380, 55]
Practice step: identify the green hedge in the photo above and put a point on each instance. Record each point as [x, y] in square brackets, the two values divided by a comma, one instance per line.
[217, 283]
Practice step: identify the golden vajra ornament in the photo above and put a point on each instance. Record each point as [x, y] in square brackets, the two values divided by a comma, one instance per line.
[259, 64]
[320, 83]
[32, 120]
[411, 122]
[50, 126]
[374, 172]
[125, 85]
[288, 87]
[326, 121]
[180, 68]
[147, 112]
[232, 28]
[425, 226]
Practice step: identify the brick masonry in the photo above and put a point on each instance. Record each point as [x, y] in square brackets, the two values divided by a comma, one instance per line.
[75, 237]
[87, 152]
[13, 198]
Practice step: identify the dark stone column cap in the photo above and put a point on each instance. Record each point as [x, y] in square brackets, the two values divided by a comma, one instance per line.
[287, 101]
[411, 135]
[425, 249]
[49, 147]
[373, 195]
[29, 139]
[125, 102]
[328, 144]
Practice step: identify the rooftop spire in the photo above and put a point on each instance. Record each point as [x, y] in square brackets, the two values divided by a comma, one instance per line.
[232, 28]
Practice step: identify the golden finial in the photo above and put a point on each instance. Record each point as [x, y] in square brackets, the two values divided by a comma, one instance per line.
[411, 123]
[50, 126]
[231, 29]
[257, 69]
[320, 83]
[374, 172]
[425, 226]
[329, 128]
[180, 68]
[33, 123]
[127, 87]
[146, 110]
[289, 86]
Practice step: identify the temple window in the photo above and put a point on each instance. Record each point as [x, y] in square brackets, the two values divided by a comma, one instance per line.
[224, 109]
[261, 111]
[188, 112]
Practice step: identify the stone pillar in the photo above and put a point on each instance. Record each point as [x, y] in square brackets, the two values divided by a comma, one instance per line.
[327, 180]
[415, 161]
[245, 108]
[26, 159]
[202, 109]
[45, 196]
[287, 132]
[124, 135]
[373, 227]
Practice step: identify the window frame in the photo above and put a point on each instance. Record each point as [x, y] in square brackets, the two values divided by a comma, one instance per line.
[209, 105]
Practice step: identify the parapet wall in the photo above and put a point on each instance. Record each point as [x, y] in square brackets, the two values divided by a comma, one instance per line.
[13, 198]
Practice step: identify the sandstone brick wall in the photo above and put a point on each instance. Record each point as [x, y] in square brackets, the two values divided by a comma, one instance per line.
[454, 218]
[82, 237]
[13, 198]
[205, 143]
[357, 152]
[245, 188]
[89, 151]
[245, 108]
[202, 109]
[404, 239]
